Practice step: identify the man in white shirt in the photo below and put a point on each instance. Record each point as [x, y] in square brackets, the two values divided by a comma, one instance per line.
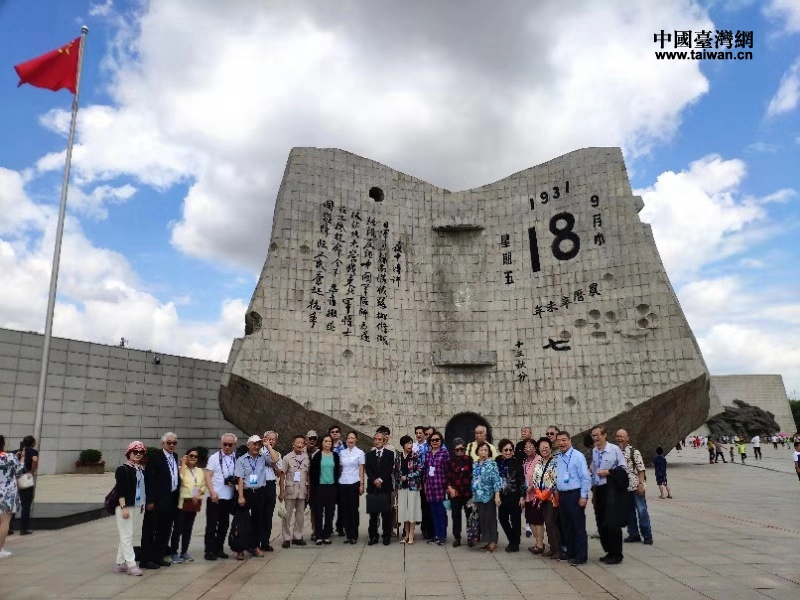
[605, 457]
[756, 441]
[220, 482]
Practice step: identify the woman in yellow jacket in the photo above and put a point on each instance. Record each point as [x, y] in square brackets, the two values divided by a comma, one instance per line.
[192, 489]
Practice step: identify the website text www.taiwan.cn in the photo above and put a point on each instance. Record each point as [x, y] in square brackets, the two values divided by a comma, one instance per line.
[704, 45]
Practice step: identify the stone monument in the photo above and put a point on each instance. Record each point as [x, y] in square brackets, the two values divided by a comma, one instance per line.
[539, 299]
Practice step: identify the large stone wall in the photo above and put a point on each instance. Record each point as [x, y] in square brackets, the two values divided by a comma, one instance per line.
[537, 299]
[103, 397]
[764, 391]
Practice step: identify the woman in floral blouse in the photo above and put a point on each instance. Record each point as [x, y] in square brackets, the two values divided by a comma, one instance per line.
[435, 469]
[544, 481]
[10, 469]
[486, 487]
[407, 482]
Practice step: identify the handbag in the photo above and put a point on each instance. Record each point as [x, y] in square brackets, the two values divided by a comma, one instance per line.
[25, 481]
[447, 505]
[191, 505]
[281, 509]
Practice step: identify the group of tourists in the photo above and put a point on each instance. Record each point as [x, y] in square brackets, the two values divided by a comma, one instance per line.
[543, 483]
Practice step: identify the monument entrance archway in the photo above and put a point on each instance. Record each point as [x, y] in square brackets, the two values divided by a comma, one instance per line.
[463, 425]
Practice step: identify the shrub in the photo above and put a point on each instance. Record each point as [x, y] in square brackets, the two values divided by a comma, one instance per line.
[90, 457]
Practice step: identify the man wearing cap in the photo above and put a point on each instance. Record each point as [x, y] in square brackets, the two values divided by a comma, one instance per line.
[251, 470]
[295, 491]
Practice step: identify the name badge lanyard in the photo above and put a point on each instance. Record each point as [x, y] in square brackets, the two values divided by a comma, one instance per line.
[173, 470]
[139, 484]
[194, 477]
[222, 464]
[569, 460]
[254, 473]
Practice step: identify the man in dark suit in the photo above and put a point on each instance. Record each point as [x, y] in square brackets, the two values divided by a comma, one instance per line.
[161, 483]
[379, 467]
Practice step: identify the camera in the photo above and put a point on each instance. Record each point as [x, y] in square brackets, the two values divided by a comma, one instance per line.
[231, 480]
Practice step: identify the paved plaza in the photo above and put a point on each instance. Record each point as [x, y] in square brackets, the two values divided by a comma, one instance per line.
[732, 532]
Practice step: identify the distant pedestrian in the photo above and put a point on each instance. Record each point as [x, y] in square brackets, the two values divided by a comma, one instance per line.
[660, 465]
[720, 448]
[756, 441]
[29, 457]
[712, 452]
[797, 458]
[742, 451]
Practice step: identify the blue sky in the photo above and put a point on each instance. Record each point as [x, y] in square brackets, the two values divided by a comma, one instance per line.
[188, 111]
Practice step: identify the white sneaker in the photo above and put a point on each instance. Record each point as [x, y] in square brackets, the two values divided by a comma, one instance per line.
[4, 553]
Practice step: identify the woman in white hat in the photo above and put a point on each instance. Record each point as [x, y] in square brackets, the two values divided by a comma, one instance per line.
[131, 500]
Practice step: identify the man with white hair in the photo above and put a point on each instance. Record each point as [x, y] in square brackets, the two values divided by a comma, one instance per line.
[161, 481]
[221, 484]
[480, 436]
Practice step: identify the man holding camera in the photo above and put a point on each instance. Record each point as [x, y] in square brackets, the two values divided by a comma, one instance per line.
[219, 506]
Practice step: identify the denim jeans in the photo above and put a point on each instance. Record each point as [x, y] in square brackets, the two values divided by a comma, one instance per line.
[638, 506]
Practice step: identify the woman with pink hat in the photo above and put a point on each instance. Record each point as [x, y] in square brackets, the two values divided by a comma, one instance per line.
[131, 499]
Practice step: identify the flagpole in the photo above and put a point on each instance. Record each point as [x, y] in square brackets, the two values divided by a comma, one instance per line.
[51, 301]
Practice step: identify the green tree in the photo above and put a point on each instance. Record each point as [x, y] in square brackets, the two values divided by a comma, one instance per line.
[795, 404]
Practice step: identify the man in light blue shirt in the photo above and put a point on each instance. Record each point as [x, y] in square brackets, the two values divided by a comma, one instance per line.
[573, 493]
[605, 457]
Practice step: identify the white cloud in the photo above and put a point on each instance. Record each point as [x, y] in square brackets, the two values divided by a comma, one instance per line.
[101, 9]
[93, 204]
[100, 296]
[742, 328]
[786, 13]
[788, 95]
[696, 217]
[419, 86]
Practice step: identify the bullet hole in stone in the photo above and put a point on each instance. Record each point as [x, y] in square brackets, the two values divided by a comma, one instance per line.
[570, 401]
[599, 335]
[594, 314]
[652, 317]
[643, 308]
[252, 322]
[608, 277]
[304, 249]
[642, 323]
[611, 316]
[565, 335]
[426, 372]
[376, 194]
[273, 246]
[596, 325]
[347, 353]
[580, 323]
[628, 406]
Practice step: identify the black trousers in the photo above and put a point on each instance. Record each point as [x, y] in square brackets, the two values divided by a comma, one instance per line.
[182, 531]
[572, 517]
[254, 504]
[427, 518]
[350, 517]
[217, 522]
[156, 531]
[757, 452]
[510, 516]
[457, 506]
[386, 525]
[720, 455]
[610, 537]
[26, 499]
[323, 500]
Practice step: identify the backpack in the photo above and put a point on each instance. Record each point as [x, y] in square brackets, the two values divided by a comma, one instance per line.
[112, 500]
[240, 537]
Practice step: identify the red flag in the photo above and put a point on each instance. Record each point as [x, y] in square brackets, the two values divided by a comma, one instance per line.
[53, 71]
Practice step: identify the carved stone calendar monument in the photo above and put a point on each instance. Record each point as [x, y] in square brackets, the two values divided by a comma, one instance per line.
[536, 300]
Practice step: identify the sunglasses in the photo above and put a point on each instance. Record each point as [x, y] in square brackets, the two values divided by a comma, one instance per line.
[139, 452]
[175, 443]
[224, 445]
[335, 431]
[508, 449]
[191, 455]
[435, 440]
